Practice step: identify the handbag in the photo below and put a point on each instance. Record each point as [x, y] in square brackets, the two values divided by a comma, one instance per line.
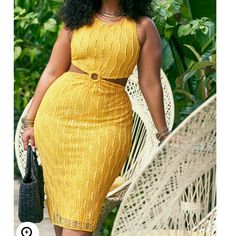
[31, 190]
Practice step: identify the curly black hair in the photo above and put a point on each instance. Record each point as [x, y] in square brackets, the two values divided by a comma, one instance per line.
[76, 13]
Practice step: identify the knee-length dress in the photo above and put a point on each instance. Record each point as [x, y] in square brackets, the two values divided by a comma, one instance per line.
[83, 125]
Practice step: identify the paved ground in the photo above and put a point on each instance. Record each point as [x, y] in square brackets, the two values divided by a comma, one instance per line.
[45, 227]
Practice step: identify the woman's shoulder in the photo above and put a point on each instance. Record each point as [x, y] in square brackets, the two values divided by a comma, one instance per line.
[66, 32]
[145, 27]
[146, 21]
[148, 26]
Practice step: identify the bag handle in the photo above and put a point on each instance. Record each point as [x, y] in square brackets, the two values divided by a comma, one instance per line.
[30, 163]
[28, 159]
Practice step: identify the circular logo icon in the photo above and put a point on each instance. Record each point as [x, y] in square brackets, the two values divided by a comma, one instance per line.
[27, 229]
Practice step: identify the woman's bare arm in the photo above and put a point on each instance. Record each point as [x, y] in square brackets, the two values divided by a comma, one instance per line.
[149, 65]
[58, 63]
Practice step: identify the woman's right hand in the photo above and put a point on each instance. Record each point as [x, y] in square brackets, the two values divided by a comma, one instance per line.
[28, 135]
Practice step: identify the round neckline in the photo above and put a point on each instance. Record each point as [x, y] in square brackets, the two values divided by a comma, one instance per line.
[109, 24]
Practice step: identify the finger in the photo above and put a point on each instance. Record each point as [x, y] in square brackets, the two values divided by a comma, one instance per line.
[32, 140]
[25, 143]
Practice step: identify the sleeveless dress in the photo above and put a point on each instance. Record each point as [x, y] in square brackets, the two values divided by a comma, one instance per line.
[83, 126]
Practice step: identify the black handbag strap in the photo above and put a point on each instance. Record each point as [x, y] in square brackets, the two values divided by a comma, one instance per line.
[30, 163]
[28, 159]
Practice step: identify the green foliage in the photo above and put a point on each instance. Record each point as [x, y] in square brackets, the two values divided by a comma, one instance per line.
[203, 8]
[108, 223]
[194, 26]
[189, 53]
[36, 29]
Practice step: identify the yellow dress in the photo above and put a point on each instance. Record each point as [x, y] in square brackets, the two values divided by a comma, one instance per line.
[83, 126]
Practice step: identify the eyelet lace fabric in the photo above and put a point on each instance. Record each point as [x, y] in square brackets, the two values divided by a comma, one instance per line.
[83, 126]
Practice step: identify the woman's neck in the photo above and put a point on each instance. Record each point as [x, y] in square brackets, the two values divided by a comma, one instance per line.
[110, 7]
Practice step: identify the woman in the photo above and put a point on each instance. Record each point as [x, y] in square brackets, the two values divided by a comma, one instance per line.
[80, 119]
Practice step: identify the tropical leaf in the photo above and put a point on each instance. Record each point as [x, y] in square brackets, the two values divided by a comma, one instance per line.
[185, 93]
[17, 52]
[193, 50]
[167, 56]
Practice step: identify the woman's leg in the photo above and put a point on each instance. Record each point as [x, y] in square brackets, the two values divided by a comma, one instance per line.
[70, 232]
[58, 230]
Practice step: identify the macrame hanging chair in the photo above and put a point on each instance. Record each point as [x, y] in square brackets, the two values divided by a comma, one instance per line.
[175, 193]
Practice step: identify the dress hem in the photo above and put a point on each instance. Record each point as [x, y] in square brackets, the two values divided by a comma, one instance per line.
[72, 228]
[56, 219]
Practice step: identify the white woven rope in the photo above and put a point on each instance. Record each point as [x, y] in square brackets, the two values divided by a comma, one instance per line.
[176, 189]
